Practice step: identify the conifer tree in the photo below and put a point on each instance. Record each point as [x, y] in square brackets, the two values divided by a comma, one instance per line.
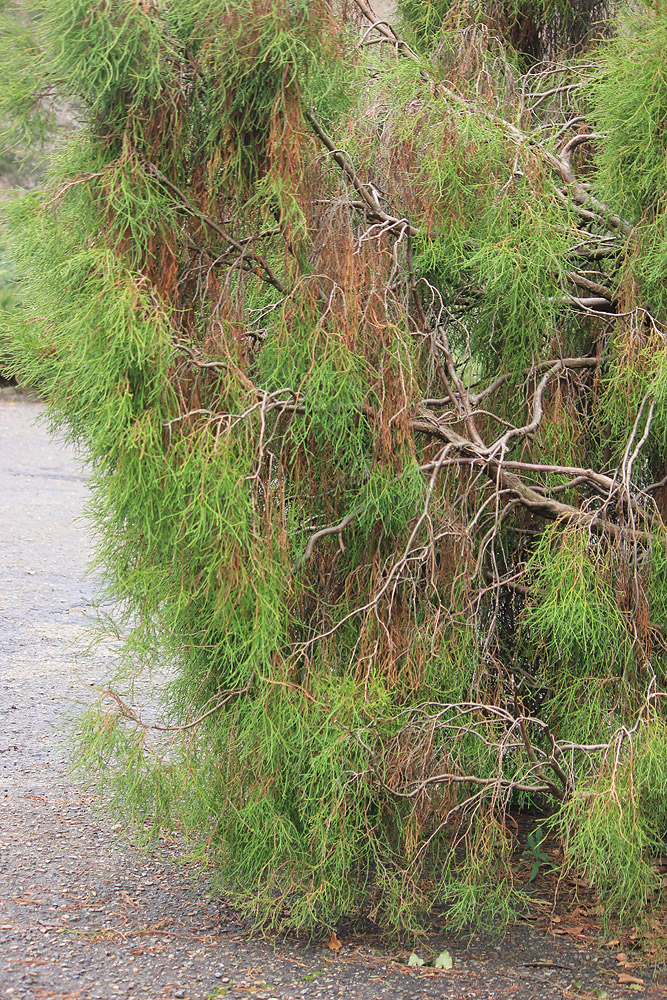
[361, 328]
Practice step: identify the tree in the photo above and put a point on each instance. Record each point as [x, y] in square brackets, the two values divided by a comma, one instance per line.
[363, 334]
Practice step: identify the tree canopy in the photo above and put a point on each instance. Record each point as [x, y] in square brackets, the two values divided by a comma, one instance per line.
[361, 328]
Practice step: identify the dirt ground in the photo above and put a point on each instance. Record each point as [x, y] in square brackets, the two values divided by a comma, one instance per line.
[86, 916]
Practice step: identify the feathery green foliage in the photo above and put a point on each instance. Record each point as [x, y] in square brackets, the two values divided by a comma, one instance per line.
[366, 352]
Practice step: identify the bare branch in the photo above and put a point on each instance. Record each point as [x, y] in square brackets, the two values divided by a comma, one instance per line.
[366, 192]
[333, 529]
[262, 267]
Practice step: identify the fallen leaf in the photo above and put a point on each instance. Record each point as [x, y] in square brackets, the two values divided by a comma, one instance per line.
[573, 929]
[334, 944]
[443, 961]
[415, 960]
[621, 957]
[612, 944]
[625, 977]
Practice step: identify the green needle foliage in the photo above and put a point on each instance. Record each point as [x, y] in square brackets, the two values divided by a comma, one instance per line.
[7, 303]
[365, 346]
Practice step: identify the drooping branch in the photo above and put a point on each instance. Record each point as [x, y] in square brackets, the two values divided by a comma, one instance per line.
[560, 164]
[399, 225]
[333, 529]
[367, 192]
[245, 253]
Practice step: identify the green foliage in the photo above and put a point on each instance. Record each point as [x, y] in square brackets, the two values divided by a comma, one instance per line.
[632, 162]
[575, 622]
[370, 507]
[482, 892]
[535, 851]
[24, 120]
[636, 385]
[424, 19]
[613, 824]
[7, 288]
[7, 303]
[632, 170]
[492, 227]
[104, 54]
[534, 27]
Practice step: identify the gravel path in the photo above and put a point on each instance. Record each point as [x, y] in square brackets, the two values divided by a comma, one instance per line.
[83, 915]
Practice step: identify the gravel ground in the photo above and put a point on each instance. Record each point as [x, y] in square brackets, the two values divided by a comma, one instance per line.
[83, 914]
